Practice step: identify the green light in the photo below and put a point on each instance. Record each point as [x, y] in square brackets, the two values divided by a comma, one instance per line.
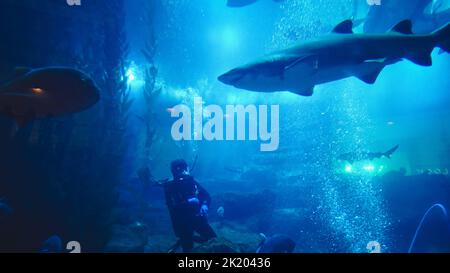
[348, 168]
[369, 168]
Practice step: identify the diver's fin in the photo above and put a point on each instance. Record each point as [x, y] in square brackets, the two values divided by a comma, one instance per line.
[308, 92]
[422, 58]
[403, 27]
[345, 27]
[19, 71]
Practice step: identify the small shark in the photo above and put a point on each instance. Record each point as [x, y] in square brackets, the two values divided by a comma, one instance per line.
[355, 157]
[339, 55]
[243, 3]
[426, 22]
[380, 18]
[46, 92]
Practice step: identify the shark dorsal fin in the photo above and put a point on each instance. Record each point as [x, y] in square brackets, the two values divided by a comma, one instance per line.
[19, 71]
[345, 27]
[404, 27]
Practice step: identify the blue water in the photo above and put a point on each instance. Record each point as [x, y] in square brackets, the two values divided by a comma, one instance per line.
[302, 189]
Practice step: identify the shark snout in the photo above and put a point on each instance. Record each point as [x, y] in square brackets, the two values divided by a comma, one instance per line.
[231, 77]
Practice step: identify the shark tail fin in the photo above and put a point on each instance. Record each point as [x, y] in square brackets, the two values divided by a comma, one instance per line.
[443, 38]
[390, 152]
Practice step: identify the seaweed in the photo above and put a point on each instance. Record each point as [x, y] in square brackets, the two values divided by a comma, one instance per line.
[61, 174]
[152, 89]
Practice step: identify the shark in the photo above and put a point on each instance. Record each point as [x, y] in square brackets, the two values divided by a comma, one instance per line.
[426, 15]
[336, 56]
[46, 92]
[355, 157]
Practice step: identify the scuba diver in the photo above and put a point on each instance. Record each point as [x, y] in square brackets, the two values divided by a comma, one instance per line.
[188, 205]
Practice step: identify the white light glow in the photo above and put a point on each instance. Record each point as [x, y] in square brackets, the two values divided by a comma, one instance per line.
[348, 169]
[369, 168]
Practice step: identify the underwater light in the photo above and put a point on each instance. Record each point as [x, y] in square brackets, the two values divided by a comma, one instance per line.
[130, 75]
[369, 168]
[348, 169]
[37, 90]
[135, 76]
[230, 38]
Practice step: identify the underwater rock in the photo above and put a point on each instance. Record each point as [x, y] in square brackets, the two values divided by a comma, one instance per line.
[285, 220]
[132, 238]
[240, 235]
[217, 245]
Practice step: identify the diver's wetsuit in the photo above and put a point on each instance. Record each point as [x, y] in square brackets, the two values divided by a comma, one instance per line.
[185, 216]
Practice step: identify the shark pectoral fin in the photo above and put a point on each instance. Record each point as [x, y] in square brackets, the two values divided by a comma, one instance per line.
[422, 58]
[404, 27]
[369, 78]
[308, 92]
[368, 72]
[345, 27]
